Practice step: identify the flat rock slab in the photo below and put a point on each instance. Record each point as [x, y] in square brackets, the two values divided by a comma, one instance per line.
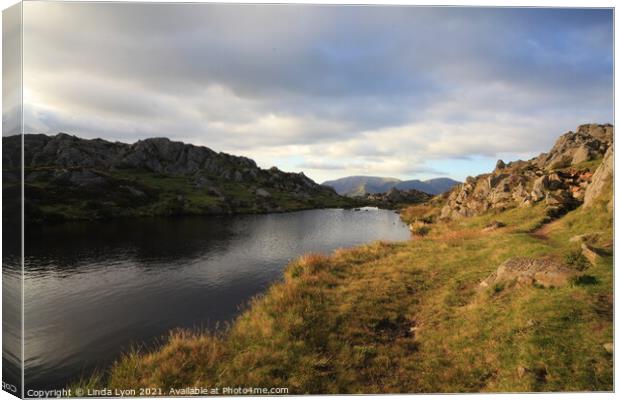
[546, 271]
[590, 253]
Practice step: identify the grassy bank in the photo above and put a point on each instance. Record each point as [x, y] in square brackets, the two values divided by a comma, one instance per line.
[411, 317]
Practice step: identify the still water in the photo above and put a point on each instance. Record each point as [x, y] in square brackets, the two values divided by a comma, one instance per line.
[95, 289]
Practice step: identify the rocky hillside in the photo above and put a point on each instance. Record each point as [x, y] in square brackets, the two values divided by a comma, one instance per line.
[395, 198]
[72, 178]
[563, 178]
[359, 186]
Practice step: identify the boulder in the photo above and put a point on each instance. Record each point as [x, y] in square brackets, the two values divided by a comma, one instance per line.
[554, 182]
[585, 238]
[546, 272]
[602, 175]
[581, 154]
[133, 191]
[493, 225]
[262, 192]
[85, 178]
[538, 190]
[590, 253]
[555, 199]
[200, 182]
[578, 238]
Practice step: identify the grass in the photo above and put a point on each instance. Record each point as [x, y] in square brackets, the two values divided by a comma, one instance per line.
[591, 166]
[410, 317]
[161, 195]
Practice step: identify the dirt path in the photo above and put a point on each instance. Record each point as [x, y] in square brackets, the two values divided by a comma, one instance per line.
[542, 233]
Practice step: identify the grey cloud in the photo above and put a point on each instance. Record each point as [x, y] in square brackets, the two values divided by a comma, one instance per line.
[333, 79]
[321, 165]
[11, 71]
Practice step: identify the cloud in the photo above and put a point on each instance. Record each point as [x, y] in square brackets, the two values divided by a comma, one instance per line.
[344, 89]
[323, 165]
[11, 72]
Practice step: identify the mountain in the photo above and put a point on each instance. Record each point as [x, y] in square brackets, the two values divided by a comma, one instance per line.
[360, 185]
[67, 177]
[431, 186]
[353, 186]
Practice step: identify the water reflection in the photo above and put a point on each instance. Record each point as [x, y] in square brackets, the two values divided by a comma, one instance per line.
[94, 289]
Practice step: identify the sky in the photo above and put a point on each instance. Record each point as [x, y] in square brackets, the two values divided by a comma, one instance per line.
[333, 91]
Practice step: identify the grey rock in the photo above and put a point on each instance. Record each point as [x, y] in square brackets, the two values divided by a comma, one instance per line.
[590, 253]
[134, 191]
[85, 178]
[262, 192]
[200, 182]
[493, 225]
[602, 175]
[547, 272]
[538, 190]
[581, 154]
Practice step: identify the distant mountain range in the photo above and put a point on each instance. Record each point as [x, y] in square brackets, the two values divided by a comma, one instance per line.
[354, 186]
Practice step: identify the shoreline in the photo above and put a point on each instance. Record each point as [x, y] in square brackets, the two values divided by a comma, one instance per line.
[189, 215]
[320, 318]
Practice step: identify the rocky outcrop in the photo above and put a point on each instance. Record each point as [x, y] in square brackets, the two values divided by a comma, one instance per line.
[74, 178]
[588, 143]
[159, 155]
[64, 154]
[558, 178]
